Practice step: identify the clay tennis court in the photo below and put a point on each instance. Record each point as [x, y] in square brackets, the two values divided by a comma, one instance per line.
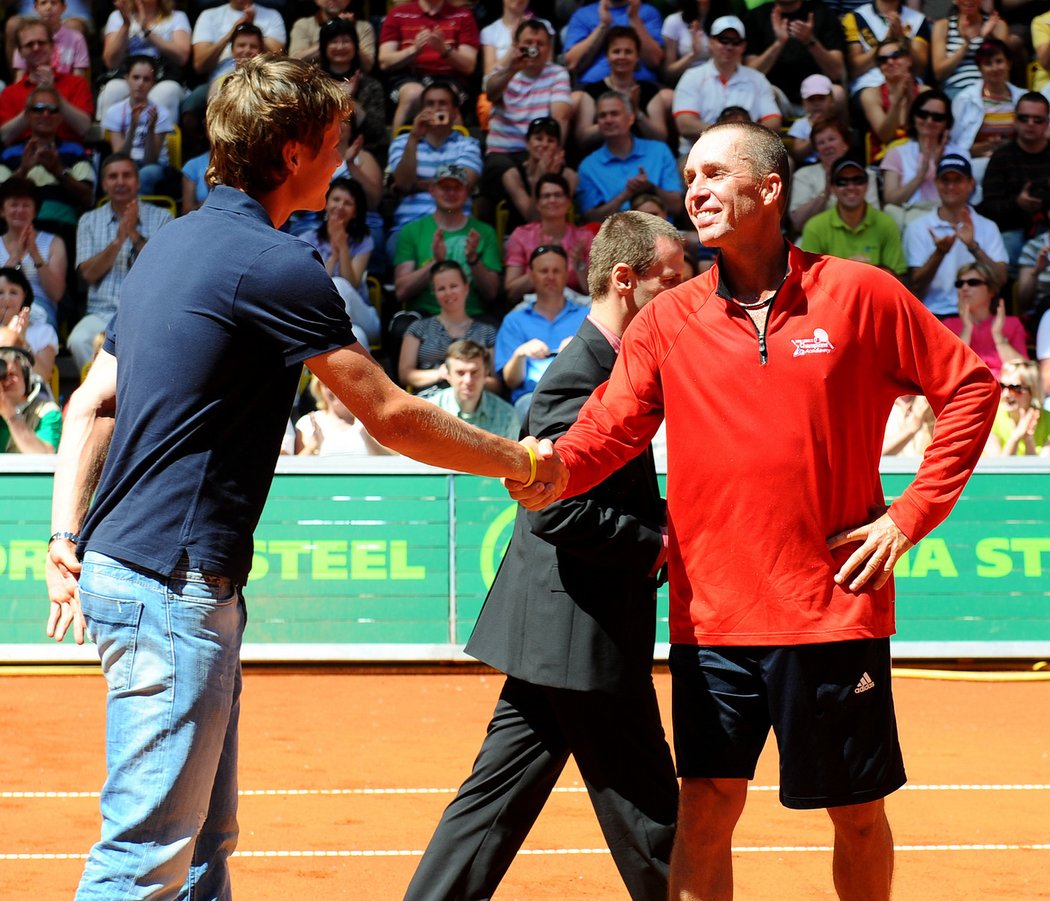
[344, 774]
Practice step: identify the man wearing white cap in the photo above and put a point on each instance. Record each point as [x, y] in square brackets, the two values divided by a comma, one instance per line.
[818, 102]
[705, 90]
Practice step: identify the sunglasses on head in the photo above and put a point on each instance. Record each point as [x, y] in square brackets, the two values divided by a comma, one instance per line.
[1029, 117]
[969, 282]
[728, 41]
[889, 57]
[548, 248]
[930, 114]
[43, 108]
[845, 181]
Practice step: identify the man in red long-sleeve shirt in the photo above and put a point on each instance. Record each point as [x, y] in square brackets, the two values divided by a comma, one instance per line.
[775, 372]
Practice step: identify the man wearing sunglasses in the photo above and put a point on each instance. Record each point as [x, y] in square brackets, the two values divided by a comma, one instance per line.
[853, 229]
[1017, 180]
[571, 620]
[75, 106]
[705, 90]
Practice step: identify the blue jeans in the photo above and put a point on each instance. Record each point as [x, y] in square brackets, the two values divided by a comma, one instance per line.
[170, 652]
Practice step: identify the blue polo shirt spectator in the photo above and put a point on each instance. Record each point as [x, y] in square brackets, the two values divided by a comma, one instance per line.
[603, 173]
[584, 39]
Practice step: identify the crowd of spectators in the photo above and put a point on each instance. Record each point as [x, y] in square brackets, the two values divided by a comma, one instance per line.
[489, 140]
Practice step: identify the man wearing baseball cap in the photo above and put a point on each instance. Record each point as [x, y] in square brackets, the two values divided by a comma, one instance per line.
[853, 229]
[704, 91]
[449, 233]
[818, 101]
[938, 244]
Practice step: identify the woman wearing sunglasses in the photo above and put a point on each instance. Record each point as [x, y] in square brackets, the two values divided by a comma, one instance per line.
[887, 106]
[1021, 426]
[982, 322]
[909, 169]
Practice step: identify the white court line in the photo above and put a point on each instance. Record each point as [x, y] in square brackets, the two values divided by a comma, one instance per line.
[561, 852]
[294, 792]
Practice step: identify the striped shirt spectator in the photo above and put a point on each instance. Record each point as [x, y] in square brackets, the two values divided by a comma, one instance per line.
[525, 99]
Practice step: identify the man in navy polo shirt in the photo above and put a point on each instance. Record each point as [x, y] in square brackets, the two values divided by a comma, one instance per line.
[206, 376]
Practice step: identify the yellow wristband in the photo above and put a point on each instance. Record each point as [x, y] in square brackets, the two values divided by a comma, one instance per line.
[532, 467]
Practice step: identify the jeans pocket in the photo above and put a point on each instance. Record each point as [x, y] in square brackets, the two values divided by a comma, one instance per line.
[113, 624]
[202, 588]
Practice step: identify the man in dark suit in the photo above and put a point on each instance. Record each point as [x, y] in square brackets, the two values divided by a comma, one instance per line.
[571, 620]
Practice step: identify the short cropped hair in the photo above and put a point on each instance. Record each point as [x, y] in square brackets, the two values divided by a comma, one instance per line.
[118, 156]
[31, 22]
[264, 104]
[618, 95]
[622, 31]
[466, 350]
[629, 238]
[764, 151]
[1034, 97]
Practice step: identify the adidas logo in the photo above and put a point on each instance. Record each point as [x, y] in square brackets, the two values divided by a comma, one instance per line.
[864, 684]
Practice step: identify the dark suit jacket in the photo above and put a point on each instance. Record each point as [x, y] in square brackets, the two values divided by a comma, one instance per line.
[573, 605]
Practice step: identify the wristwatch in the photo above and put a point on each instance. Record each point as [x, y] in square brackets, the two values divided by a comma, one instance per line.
[63, 536]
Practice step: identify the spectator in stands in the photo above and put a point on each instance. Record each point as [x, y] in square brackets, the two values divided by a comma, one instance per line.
[108, 241]
[1033, 277]
[247, 41]
[16, 296]
[466, 366]
[344, 241]
[811, 185]
[1021, 426]
[887, 105]
[528, 88]
[448, 233]
[852, 229]
[909, 170]
[305, 39]
[818, 103]
[498, 39]
[703, 92]
[30, 421]
[426, 38]
[1040, 29]
[72, 93]
[333, 429]
[868, 26]
[909, 429]
[788, 40]
[652, 101]
[584, 38]
[75, 16]
[686, 35]
[1016, 194]
[39, 255]
[553, 200]
[141, 128]
[60, 169]
[940, 242]
[430, 143]
[544, 156]
[982, 322]
[146, 28]
[70, 54]
[340, 57]
[534, 332]
[213, 34]
[426, 341]
[954, 42]
[984, 110]
[1042, 354]
[624, 165]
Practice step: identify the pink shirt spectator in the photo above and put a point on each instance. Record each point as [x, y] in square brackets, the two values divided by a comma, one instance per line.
[983, 345]
[71, 53]
[526, 238]
[525, 99]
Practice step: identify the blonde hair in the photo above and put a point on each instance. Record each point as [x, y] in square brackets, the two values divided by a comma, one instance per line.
[264, 104]
[1024, 372]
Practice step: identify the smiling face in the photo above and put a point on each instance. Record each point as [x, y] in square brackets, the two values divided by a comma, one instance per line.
[727, 49]
[450, 289]
[18, 212]
[341, 51]
[830, 145]
[245, 46]
[614, 119]
[931, 118]
[12, 297]
[977, 297]
[849, 187]
[954, 189]
[120, 180]
[623, 56]
[552, 201]
[995, 71]
[450, 194]
[723, 191]
[550, 274]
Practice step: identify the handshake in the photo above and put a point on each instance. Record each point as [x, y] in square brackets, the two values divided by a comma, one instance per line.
[550, 480]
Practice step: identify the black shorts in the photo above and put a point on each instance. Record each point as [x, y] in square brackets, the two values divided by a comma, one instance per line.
[830, 706]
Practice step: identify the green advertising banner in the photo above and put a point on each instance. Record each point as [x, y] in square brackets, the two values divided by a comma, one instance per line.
[384, 559]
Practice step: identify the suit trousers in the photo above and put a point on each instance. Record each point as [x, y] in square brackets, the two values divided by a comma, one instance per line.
[618, 742]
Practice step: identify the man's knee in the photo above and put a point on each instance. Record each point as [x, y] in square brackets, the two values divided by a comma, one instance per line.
[711, 807]
[859, 820]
